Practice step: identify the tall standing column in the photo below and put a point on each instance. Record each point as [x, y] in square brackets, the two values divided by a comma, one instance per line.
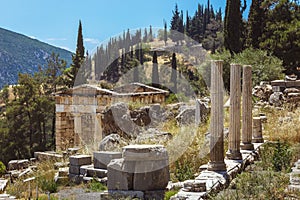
[247, 109]
[234, 139]
[216, 162]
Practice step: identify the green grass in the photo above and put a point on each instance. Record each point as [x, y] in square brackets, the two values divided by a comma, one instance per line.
[96, 186]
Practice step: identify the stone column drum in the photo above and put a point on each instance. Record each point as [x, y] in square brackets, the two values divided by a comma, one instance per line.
[247, 109]
[233, 152]
[142, 168]
[216, 162]
[257, 130]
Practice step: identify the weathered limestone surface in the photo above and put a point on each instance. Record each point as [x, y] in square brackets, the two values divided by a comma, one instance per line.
[257, 130]
[216, 162]
[235, 114]
[42, 156]
[118, 179]
[18, 164]
[79, 160]
[142, 168]
[76, 162]
[103, 158]
[247, 109]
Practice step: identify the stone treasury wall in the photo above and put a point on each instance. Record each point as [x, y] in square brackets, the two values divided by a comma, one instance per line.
[79, 111]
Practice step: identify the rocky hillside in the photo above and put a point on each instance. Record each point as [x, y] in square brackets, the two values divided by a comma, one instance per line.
[22, 54]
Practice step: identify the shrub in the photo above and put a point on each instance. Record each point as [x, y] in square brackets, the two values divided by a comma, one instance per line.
[265, 67]
[2, 168]
[47, 185]
[170, 193]
[96, 186]
[183, 170]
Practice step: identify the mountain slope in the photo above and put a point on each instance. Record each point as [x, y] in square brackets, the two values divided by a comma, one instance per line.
[22, 54]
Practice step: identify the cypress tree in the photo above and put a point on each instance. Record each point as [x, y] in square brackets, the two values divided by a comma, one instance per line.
[187, 24]
[145, 38]
[155, 77]
[165, 33]
[150, 34]
[233, 26]
[174, 73]
[80, 47]
[255, 20]
[71, 74]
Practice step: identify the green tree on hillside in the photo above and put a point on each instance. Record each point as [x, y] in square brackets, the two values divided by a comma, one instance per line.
[150, 36]
[256, 23]
[233, 26]
[176, 25]
[165, 33]
[174, 73]
[73, 72]
[155, 76]
[281, 34]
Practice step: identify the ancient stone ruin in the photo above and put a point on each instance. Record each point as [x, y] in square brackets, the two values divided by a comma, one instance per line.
[79, 111]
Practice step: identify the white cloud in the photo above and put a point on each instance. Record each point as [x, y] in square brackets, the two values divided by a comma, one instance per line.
[91, 40]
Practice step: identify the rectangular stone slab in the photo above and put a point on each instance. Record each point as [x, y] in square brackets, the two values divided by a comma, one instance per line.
[79, 160]
[102, 158]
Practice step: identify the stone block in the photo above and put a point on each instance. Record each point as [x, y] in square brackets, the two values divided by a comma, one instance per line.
[74, 169]
[149, 164]
[144, 152]
[64, 171]
[103, 158]
[157, 194]
[75, 178]
[3, 184]
[100, 173]
[124, 194]
[79, 160]
[195, 185]
[117, 178]
[150, 180]
[18, 164]
[84, 169]
[41, 156]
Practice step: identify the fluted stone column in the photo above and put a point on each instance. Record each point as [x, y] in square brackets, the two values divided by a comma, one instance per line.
[216, 162]
[257, 130]
[234, 139]
[247, 109]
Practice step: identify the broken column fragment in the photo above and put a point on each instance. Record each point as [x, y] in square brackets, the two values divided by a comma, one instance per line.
[142, 168]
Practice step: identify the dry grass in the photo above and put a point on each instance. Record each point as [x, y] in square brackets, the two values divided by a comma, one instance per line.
[282, 125]
[188, 149]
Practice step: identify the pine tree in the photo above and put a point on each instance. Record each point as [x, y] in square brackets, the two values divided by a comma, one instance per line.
[174, 73]
[233, 26]
[155, 76]
[74, 73]
[255, 21]
[175, 25]
[165, 33]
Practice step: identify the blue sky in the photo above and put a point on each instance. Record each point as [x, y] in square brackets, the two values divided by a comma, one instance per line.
[56, 21]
